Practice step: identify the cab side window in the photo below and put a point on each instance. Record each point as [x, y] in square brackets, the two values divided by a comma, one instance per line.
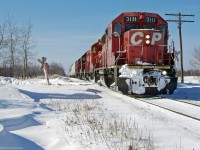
[163, 28]
[103, 39]
[118, 28]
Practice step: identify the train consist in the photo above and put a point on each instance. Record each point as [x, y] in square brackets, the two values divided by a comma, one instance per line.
[132, 56]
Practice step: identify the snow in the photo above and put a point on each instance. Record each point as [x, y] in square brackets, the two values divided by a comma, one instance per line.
[74, 114]
[144, 63]
[137, 77]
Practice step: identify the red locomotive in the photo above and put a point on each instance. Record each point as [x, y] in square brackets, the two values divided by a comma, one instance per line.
[133, 56]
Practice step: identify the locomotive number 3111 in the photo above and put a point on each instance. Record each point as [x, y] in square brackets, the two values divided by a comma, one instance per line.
[130, 19]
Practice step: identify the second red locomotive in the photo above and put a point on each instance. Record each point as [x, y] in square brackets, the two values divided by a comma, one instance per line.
[132, 56]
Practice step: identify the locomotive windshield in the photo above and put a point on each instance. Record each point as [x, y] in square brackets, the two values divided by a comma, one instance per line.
[147, 26]
[134, 26]
[130, 26]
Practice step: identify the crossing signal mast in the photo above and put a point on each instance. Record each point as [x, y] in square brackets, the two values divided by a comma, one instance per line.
[45, 68]
[180, 22]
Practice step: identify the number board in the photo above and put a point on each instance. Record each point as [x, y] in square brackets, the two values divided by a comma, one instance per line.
[150, 19]
[131, 19]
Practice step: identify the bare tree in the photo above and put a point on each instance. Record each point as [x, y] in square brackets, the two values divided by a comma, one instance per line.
[16, 45]
[2, 43]
[195, 61]
[2, 34]
[12, 43]
[26, 45]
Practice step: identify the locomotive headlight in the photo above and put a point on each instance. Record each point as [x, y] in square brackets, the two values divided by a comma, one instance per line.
[147, 36]
[147, 42]
[164, 73]
[133, 72]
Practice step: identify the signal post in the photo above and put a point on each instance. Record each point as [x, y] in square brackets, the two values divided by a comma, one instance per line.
[45, 67]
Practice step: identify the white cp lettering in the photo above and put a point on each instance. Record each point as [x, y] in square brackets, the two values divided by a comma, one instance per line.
[156, 37]
[133, 40]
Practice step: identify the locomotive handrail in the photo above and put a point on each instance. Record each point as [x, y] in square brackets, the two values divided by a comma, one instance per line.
[124, 51]
[163, 45]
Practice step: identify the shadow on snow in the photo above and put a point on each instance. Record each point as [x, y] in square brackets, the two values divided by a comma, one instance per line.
[76, 96]
[18, 123]
[12, 141]
[186, 91]
[9, 140]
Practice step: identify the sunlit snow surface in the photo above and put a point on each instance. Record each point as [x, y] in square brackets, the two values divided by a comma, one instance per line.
[35, 116]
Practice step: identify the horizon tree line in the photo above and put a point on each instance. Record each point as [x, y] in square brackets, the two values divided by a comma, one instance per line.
[17, 51]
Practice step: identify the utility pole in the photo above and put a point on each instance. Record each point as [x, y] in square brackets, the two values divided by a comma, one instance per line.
[180, 21]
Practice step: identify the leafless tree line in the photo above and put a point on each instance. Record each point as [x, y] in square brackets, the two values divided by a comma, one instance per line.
[56, 68]
[17, 55]
[195, 61]
[16, 47]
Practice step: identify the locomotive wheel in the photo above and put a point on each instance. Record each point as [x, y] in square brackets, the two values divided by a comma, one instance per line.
[96, 77]
[91, 78]
[122, 86]
[108, 81]
[171, 86]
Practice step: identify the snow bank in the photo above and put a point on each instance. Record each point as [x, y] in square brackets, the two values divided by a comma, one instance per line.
[56, 80]
[27, 121]
[1, 130]
[12, 141]
[8, 80]
[191, 79]
[17, 123]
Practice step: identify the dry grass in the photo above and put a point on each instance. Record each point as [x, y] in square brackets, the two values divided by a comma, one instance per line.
[88, 123]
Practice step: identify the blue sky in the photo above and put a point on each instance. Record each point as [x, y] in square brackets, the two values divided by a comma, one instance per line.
[65, 29]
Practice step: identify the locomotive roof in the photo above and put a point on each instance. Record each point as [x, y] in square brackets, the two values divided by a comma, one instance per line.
[138, 14]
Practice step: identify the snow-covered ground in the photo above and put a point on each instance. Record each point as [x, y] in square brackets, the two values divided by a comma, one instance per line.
[72, 114]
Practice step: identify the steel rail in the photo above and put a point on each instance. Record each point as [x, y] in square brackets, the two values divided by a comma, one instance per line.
[171, 110]
[182, 101]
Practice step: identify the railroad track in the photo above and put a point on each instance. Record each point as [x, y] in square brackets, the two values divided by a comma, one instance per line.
[183, 101]
[167, 104]
[153, 101]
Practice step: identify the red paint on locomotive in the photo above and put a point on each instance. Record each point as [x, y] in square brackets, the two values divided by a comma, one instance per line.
[96, 49]
[147, 46]
[138, 39]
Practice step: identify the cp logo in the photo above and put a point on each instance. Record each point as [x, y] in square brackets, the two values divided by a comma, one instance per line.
[138, 37]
